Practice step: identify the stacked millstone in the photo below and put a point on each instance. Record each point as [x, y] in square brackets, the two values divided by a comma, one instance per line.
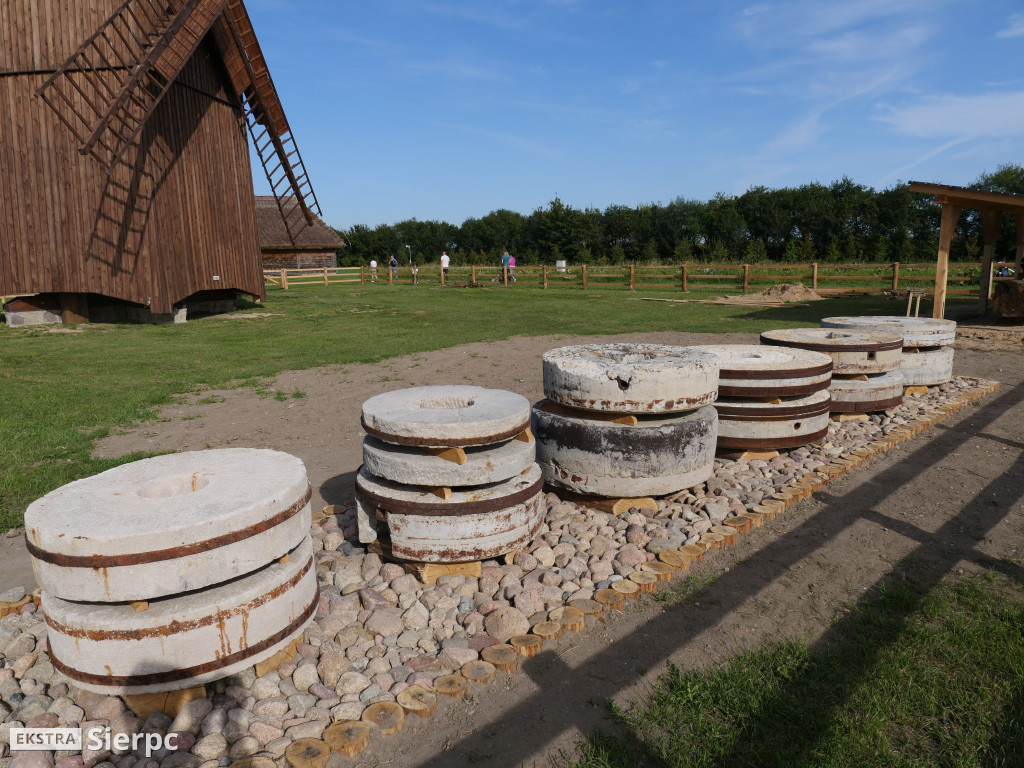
[770, 398]
[448, 474]
[927, 344]
[627, 420]
[866, 375]
[176, 570]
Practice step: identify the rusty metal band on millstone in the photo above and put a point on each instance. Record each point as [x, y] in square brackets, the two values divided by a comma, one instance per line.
[879, 346]
[772, 412]
[868, 406]
[757, 443]
[172, 553]
[449, 508]
[445, 442]
[793, 373]
[174, 675]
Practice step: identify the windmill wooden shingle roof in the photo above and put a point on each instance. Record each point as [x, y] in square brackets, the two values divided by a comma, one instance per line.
[123, 151]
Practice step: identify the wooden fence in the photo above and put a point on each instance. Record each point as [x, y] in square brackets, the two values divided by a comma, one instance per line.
[826, 279]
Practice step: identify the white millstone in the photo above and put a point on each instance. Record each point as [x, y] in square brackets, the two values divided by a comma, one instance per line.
[424, 527]
[414, 466]
[170, 510]
[916, 331]
[745, 370]
[630, 378]
[757, 425]
[878, 393]
[927, 367]
[184, 640]
[852, 352]
[660, 455]
[446, 415]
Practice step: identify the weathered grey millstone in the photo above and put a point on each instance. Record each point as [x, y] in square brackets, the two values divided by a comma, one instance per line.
[446, 416]
[916, 331]
[878, 393]
[657, 456]
[852, 352]
[749, 370]
[630, 378]
[415, 466]
[168, 525]
[927, 367]
[757, 425]
[474, 524]
[183, 640]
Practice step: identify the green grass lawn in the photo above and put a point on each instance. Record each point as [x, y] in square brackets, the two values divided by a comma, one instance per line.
[933, 678]
[64, 390]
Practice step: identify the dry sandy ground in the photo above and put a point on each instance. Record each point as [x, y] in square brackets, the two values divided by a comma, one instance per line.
[948, 501]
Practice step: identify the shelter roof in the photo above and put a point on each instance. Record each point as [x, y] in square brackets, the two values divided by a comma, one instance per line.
[965, 197]
[274, 236]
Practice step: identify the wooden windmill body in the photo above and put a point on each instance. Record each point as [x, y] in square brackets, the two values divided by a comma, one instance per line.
[124, 161]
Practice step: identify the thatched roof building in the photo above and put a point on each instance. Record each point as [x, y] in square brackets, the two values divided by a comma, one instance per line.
[315, 246]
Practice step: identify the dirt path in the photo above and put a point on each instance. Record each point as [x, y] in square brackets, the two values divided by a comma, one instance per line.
[947, 501]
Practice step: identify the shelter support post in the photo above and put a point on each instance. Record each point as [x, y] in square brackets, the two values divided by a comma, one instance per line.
[990, 229]
[950, 216]
[1019, 221]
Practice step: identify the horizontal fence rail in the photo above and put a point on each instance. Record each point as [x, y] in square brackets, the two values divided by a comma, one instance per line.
[825, 279]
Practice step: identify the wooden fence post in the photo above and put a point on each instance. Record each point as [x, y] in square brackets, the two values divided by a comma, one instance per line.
[325, 277]
[746, 278]
[390, 275]
[472, 273]
[284, 279]
[632, 278]
[504, 275]
[362, 275]
[814, 276]
[544, 274]
[682, 271]
[584, 277]
[895, 275]
[442, 276]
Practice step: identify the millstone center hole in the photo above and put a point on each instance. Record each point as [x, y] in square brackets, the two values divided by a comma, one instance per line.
[796, 425]
[173, 486]
[871, 355]
[450, 403]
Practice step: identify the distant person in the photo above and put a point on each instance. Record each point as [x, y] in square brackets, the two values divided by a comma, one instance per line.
[373, 270]
[393, 263]
[506, 261]
[445, 261]
[1004, 272]
[511, 266]
[415, 271]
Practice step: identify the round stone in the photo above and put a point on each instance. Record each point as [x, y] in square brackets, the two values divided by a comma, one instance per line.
[852, 352]
[927, 367]
[185, 640]
[750, 370]
[446, 416]
[757, 425]
[168, 525]
[877, 393]
[630, 378]
[474, 524]
[916, 331]
[657, 456]
[414, 466]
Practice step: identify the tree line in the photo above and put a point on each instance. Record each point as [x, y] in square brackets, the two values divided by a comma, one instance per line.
[839, 222]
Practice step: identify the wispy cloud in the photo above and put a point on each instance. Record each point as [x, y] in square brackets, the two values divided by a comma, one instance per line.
[1014, 26]
[953, 116]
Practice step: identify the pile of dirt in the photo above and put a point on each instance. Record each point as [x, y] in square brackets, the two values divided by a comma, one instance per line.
[777, 294]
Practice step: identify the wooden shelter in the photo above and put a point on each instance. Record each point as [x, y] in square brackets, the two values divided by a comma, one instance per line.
[315, 246]
[125, 167]
[992, 206]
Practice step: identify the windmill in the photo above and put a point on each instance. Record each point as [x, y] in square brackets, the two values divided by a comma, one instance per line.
[126, 153]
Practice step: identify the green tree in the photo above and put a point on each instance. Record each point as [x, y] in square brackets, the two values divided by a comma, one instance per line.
[650, 252]
[756, 253]
[683, 252]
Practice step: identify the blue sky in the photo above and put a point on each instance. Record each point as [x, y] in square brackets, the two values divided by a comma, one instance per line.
[444, 109]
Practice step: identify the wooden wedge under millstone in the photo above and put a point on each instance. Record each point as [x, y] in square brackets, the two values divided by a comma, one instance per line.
[589, 607]
[611, 599]
[478, 671]
[548, 630]
[662, 571]
[314, 753]
[168, 702]
[570, 618]
[527, 645]
[348, 737]
[387, 716]
[502, 656]
[451, 685]
[645, 581]
[694, 551]
[418, 700]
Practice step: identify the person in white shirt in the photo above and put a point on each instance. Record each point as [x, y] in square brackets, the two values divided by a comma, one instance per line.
[445, 261]
[373, 270]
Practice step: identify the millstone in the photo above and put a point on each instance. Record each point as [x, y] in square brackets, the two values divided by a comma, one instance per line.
[916, 331]
[749, 370]
[755, 425]
[630, 378]
[657, 456]
[184, 640]
[168, 525]
[414, 466]
[475, 524]
[852, 352]
[446, 416]
[927, 367]
[878, 393]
